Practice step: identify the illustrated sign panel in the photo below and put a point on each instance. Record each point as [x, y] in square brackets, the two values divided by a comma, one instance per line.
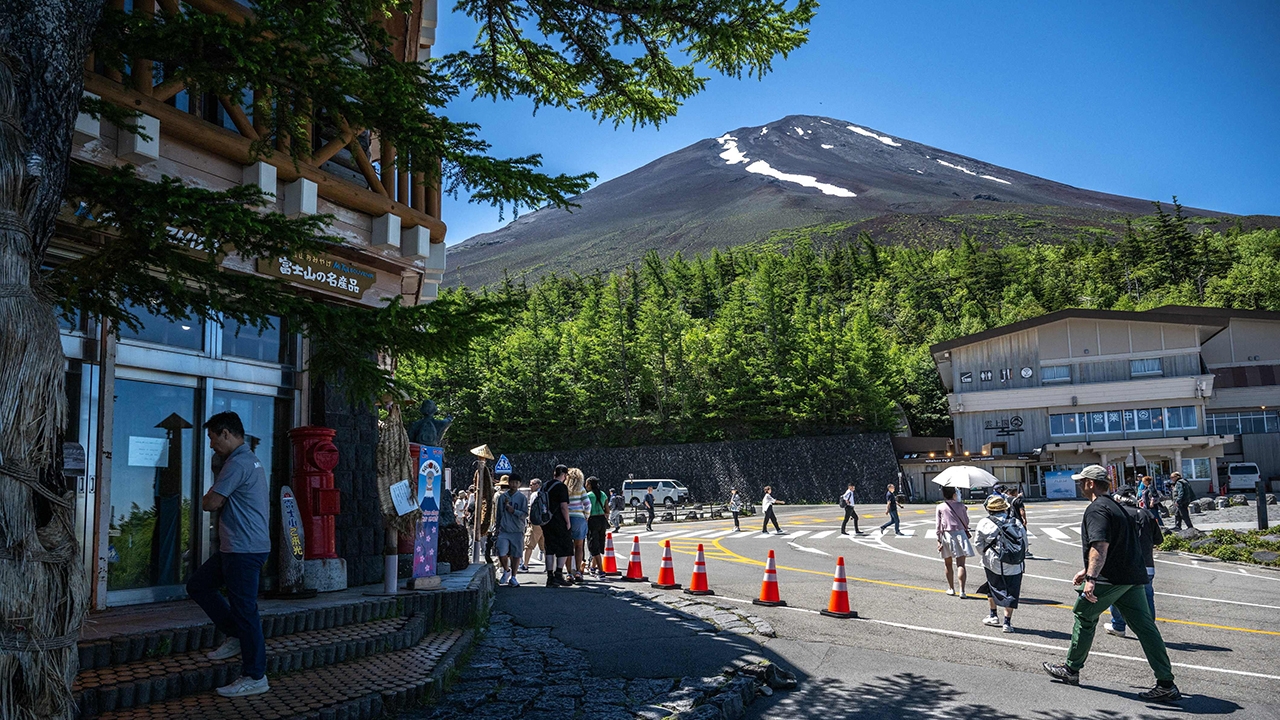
[1058, 485]
[322, 272]
[426, 538]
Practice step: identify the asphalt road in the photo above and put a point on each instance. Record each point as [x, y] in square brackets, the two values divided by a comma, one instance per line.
[917, 652]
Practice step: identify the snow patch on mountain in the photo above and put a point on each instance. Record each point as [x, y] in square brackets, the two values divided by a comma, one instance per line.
[882, 138]
[764, 130]
[732, 155]
[827, 147]
[799, 131]
[991, 177]
[967, 171]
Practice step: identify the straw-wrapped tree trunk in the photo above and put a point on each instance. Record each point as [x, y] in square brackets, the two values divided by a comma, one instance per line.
[44, 590]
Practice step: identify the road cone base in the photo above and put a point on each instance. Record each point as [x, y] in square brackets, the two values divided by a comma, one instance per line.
[770, 603]
[660, 586]
[699, 592]
[639, 579]
[828, 613]
[615, 573]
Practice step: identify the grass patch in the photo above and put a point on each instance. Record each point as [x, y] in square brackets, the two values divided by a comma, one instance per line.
[1230, 545]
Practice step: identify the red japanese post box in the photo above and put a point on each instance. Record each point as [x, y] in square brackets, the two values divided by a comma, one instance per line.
[319, 502]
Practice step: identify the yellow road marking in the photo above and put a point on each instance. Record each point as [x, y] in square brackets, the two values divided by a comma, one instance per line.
[745, 560]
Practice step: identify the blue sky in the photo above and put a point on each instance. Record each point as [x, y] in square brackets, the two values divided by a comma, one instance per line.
[1147, 99]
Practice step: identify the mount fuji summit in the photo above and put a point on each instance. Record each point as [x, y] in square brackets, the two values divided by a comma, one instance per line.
[829, 176]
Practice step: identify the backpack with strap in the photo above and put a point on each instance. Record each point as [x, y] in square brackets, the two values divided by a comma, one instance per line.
[1009, 543]
[540, 508]
[1188, 492]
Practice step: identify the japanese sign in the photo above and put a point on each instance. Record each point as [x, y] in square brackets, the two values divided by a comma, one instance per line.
[426, 538]
[322, 272]
[292, 521]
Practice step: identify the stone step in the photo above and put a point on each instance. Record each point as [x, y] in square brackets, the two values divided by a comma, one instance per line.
[360, 689]
[152, 680]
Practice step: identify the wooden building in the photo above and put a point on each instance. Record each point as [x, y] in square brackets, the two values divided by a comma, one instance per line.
[138, 401]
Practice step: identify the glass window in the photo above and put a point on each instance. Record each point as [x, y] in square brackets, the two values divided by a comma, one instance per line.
[246, 341]
[1181, 418]
[1055, 373]
[1130, 420]
[1055, 425]
[177, 333]
[1197, 468]
[1097, 422]
[1150, 419]
[1141, 368]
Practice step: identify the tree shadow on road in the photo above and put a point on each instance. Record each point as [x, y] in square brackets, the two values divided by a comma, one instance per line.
[911, 695]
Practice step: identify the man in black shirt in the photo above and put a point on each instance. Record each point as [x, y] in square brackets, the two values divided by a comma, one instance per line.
[559, 542]
[891, 509]
[1113, 574]
[648, 508]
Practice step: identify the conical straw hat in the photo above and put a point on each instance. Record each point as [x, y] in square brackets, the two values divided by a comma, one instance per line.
[482, 451]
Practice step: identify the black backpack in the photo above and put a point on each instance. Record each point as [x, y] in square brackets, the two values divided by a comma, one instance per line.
[1009, 544]
[540, 508]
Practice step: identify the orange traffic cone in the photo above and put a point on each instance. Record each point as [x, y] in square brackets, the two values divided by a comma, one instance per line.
[769, 587]
[698, 585]
[838, 605]
[610, 561]
[666, 573]
[635, 573]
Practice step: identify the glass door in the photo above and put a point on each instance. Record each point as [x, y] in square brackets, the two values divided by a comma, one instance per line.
[154, 449]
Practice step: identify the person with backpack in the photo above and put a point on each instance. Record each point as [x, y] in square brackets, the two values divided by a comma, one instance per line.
[1003, 541]
[648, 508]
[533, 531]
[1182, 497]
[1149, 536]
[1113, 575]
[551, 512]
[951, 527]
[846, 501]
[616, 506]
[735, 508]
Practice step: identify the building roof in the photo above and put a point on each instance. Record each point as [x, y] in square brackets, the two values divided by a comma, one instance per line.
[1178, 314]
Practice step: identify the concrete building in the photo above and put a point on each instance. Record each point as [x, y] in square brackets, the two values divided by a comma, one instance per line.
[1174, 388]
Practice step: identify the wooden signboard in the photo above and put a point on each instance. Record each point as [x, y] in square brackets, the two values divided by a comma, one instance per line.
[322, 272]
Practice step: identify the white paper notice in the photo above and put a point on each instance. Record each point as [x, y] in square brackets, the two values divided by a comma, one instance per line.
[402, 496]
[148, 451]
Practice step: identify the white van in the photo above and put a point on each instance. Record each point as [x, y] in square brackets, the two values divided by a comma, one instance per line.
[665, 492]
[1243, 476]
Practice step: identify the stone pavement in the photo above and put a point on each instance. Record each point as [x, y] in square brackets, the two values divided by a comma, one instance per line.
[521, 669]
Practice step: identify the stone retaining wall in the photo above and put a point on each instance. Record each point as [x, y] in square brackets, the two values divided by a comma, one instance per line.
[801, 469]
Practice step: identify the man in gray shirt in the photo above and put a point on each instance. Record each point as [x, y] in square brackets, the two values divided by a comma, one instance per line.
[240, 495]
[513, 514]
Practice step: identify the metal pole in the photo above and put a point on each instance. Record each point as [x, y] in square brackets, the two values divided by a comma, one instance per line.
[1261, 501]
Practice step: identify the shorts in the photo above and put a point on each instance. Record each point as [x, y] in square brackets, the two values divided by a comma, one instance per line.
[510, 544]
[956, 543]
[597, 525]
[533, 538]
[578, 527]
[556, 537]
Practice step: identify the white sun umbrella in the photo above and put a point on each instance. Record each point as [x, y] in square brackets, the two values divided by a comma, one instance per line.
[965, 476]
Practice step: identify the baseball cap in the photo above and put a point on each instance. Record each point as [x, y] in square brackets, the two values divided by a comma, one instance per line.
[1093, 472]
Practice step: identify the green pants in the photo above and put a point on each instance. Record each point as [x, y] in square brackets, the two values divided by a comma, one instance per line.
[1132, 601]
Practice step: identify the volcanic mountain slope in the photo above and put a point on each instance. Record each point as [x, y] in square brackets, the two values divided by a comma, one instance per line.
[798, 172]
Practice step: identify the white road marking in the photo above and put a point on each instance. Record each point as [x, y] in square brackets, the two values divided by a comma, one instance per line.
[1074, 528]
[820, 535]
[794, 535]
[667, 535]
[1024, 643]
[1055, 534]
[1195, 565]
[802, 548]
[931, 534]
[762, 537]
[720, 534]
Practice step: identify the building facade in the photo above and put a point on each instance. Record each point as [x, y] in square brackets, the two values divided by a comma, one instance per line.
[138, 399]
[1174, 388]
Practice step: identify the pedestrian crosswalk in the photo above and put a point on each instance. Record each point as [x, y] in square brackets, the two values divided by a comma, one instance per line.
[923, 531]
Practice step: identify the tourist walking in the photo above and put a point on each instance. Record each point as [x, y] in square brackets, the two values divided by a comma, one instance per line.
[533, 532]
[579, 509]
[240, 496]
[951, 527]
[648, 508]
[1149, 536]
[1018, 511]
[891, 509]
[1113, 575]
[767, 502]
[1002, 538]
[735, 508]
[1182, 497]
[556, 534]
[616, 505]
[460, 507]
[847, 501]
[513, 515]
[597, 524]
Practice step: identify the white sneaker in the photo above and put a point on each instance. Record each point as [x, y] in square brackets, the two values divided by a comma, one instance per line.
[1111, 630]
[1006, 628]
[244, 687]
[514, 582]
[951, 591]
[991, 621]
[228, 649]
[963, 595]
[506, 577]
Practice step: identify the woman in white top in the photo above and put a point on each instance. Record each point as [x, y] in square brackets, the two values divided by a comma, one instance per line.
[1004, 580]
[951, 527]
[735, 507]
[767, 503]
[460, 507]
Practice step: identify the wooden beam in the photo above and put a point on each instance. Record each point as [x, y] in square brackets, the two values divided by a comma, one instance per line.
[419, 191]
[402, 187]
[366, 168]
[232, 9]
[333, 147]
[435, 196]
[167, 89]
[388, 162]
[238, 117]
[170, 6]
[141, 68]
[220, 141]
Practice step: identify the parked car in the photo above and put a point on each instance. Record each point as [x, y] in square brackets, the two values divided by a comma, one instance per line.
[665, 492]
[1243, 476]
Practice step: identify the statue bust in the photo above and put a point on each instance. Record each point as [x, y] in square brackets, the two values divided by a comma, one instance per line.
[428, 430]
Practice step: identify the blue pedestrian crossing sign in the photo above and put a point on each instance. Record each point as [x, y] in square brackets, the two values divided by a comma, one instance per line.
[503, 467]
